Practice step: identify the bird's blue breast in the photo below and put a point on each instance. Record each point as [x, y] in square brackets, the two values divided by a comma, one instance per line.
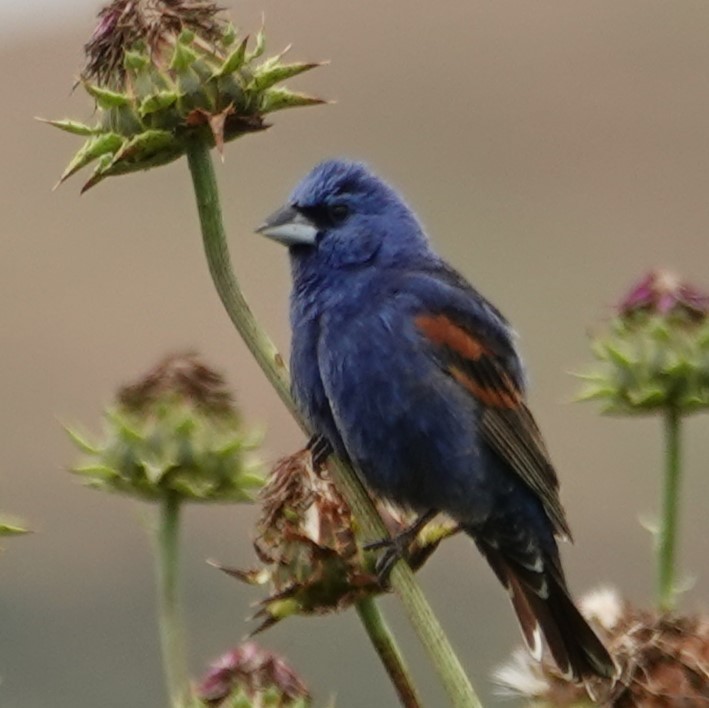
[409, 428]
[307, 385]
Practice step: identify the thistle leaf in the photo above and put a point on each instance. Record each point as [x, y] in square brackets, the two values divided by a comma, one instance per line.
[234, 61]
[81, 442]
[71, 126]
[251, 481]
[157, 102]
[135, 61]
[277, 99]
[184, 56]
[260, 47]
[267, 76]
[98, 472]
[11, 529]
[230, 35]
[596, 392]
[99, 172]
[92, 149]
[647, 398]
[140, 148]
[106, 98]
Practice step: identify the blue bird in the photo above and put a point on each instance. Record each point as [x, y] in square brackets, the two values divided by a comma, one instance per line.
[413, 376]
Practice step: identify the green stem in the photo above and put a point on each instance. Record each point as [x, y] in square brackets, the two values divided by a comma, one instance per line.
[385, 645]
[171, 630]
[667, 541]
[425, 624]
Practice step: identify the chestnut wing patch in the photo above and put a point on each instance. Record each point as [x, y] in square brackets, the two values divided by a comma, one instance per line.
[478, 365]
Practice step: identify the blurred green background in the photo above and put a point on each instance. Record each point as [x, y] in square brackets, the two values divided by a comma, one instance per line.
[555, 151]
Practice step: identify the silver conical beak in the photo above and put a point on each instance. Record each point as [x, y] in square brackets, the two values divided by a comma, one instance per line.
[289, 227]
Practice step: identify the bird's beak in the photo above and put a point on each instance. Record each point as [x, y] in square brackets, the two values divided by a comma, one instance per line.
[289, 227]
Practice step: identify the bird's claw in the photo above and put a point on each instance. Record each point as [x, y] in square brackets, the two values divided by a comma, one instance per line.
[396, 548]
[393, 550]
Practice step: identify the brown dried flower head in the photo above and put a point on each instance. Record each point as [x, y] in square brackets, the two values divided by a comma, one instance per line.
[306, 540]
[123, 25]
[664, 661]
[183, 376]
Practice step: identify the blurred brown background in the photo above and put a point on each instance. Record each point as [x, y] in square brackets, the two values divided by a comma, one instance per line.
[555, 150]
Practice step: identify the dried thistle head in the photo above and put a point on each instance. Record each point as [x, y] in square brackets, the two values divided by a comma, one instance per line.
[252, 676]
[165, 72]
[654, 354]
[664, 661]
[306, 540]
[176, 430]
[184, 377]
[123, 25]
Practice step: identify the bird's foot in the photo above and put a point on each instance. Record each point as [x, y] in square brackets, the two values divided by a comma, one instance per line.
[393, 550]
[396, 548]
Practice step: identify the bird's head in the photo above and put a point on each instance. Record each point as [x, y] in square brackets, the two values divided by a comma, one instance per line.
[341, 216]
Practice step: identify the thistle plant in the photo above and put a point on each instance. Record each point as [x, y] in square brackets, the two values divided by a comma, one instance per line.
[172, 78]
[653, 359]
[173, 437]
[165, 72]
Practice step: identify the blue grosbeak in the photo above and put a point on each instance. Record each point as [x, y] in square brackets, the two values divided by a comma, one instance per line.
[413, 376]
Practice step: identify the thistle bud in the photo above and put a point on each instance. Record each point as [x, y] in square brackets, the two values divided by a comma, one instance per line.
[164, 72]
[252, 676]
[175, 430]
[664, 660]
[654, 354]
[306, 541]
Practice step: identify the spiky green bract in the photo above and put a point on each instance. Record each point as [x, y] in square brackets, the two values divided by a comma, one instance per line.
[174, 432]
[654, 354]
[162, 72]
[10, 527]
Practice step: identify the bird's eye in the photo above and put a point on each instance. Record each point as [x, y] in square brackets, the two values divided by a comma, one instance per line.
[338, 213]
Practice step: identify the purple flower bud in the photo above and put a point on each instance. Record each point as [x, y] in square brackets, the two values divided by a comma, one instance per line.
[250, 670]
[662, 292]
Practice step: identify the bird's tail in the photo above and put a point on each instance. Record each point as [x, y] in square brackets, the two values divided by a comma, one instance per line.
[545, 609]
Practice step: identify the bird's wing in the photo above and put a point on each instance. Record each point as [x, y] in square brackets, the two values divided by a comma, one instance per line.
[473, 345]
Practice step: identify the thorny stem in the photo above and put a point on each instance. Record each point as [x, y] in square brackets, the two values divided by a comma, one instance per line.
[667, 540]
[171, 630]
[383, 641]
[442, 656]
